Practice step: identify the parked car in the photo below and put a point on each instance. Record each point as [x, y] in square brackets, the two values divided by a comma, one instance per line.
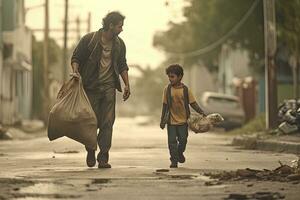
[228, 106]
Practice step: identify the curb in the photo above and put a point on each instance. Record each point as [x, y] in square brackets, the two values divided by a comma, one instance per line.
[267, 145]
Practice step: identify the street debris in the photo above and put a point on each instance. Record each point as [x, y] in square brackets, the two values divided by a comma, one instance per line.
[289, 116]
[257, 195]
[200, 124]
[283, 173]
[4, 134]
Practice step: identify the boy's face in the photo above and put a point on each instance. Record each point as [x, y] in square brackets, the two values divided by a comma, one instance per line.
[174, 79]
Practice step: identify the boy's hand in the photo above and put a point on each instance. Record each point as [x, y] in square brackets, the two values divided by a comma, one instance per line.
[203, 114]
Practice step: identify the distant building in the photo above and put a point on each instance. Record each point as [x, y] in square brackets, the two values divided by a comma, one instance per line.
[16, 71]
[199, 79]
[1, 60]
[233, 64]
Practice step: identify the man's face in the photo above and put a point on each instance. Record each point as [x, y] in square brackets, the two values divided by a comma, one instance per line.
[174, 79]
[117, 29]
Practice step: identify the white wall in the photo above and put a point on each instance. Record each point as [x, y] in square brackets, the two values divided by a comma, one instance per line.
[199, 79]
[232, 64]
[17, 73]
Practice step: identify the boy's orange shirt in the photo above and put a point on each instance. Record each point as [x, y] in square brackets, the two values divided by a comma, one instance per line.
[177, 110]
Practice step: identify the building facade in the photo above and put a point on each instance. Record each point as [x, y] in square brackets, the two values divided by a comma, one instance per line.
[16, 73]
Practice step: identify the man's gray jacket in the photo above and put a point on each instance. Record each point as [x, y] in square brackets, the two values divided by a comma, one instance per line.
[88, 54]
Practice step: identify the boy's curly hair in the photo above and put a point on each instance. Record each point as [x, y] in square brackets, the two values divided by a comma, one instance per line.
[175, 69]
[112, 18]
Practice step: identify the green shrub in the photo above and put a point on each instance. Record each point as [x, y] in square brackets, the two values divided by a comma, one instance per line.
[258, 124]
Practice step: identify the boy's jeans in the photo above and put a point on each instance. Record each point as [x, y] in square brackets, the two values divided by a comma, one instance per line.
[177, 139]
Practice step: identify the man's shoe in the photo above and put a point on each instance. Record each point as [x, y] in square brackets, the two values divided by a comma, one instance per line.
[181, 158]
[90, 158]
[174, 165]
[104, 165]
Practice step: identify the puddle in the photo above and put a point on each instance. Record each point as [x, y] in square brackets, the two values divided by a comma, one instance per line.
[45, 190]
[42, 188]
[27, 189]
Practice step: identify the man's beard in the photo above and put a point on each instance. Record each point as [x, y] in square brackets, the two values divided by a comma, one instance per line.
[115, 34]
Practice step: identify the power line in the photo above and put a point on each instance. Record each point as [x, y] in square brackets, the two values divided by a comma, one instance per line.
[220, 40]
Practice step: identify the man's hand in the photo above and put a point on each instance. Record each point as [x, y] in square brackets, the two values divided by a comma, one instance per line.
[126, 93]
[75, 73]
[162, 125]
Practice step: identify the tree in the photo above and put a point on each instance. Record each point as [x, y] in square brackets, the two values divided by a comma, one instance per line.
[37, 63]
[208, 21]
[148, 89]
[288, 29]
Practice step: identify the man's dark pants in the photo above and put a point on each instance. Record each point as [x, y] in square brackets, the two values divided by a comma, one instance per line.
[177, 140]
[103, 103]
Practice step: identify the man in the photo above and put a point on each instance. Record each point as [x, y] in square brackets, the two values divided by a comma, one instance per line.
[99, 58]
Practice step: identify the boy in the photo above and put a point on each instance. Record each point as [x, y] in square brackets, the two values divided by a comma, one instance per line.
[175, 112]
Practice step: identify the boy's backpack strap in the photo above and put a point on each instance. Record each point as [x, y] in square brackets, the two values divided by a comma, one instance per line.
[186, 100]
[166, 115]
[169, 97]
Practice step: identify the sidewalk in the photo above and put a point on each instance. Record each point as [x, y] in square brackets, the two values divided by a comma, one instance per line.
[278, 143]
[27, 130]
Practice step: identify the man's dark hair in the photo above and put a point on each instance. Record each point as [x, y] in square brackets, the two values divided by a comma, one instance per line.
[112, 18]
[175, 69]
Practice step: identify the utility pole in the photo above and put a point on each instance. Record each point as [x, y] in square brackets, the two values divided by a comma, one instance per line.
[65, 50]
[270, 68]
[78, 27]
[46, 70]
[296, 71]
[89, 22]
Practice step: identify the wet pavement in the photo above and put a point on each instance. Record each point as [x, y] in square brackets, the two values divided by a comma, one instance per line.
[39, 169]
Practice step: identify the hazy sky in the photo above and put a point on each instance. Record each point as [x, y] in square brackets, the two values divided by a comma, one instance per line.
[143, 19]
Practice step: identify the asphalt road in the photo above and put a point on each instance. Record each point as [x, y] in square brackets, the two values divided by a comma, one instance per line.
[39, 169]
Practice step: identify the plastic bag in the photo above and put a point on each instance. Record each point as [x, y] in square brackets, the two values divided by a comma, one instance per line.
[287, 128]
[215, 118]
[200, 124]
[72, 116]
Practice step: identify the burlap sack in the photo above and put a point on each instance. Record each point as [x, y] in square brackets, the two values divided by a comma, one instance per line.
[73, 116]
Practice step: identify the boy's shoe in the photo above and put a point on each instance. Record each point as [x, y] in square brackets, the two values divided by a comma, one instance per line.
[104, 165]
[174, 165]
[181, 158]
[90, 158]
